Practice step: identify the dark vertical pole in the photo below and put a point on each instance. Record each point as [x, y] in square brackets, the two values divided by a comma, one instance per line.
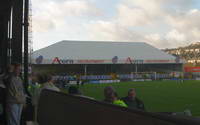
[105, 69]
[4, 31]
[9, 50]
[85, 70]
[6, 42]
[17, 30]
[3, 42]
[26, 25]
[136, 68]
[9, 42]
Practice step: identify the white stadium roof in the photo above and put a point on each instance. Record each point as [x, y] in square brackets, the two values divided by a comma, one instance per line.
[97, 50]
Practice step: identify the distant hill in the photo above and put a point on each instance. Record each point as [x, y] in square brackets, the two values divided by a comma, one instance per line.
[190, 53]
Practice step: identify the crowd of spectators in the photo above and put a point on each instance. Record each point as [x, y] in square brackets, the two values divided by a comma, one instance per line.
[130, 101]
[12, 94]
[15, 100]
[20, 104]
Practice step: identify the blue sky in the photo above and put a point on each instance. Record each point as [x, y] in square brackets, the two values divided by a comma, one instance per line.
[161, 23]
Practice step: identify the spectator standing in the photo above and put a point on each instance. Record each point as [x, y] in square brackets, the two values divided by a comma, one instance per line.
[16, 98]
[28, 113]
[132, 101]
[4, 76]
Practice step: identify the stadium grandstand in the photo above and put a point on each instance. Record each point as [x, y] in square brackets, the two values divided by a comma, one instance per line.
[99, 59]
[30, 103]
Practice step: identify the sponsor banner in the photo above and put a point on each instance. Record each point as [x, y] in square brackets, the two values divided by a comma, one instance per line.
[114, 60]
[72, 82]
[192, 69]
[104, 81]
[158, 61]
[89, 61]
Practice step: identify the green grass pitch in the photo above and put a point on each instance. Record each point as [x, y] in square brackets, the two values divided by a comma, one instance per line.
[158, 96]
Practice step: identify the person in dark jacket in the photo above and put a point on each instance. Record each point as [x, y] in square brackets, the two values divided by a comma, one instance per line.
[132, 101]
[4, 76]
[73, 90]
[2, 98]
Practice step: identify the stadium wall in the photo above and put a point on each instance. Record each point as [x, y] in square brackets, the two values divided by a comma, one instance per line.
[74, 110]
[101, 69]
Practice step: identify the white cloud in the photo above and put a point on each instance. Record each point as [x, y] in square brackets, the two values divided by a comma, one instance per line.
[153, 37]
[182, 23]
[161, 23]
[49, 14]
[43, 24]
[110, 31]
[196, 33]
[157, 6]
[185, 20]
[175, 35]
[169, 40]
[129, 17]
[187, 23]
[72, 8]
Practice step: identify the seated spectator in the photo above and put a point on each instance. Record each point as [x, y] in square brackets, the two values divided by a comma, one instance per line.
[117, 101]
[39, 80]
[30, 109]
[49, 84]
[112, 97]
[45, 82]
[132, 101]
[73, 90]
[108, 92]
[33, 84]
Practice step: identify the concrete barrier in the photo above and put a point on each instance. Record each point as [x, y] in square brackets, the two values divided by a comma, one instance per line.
[62, 109]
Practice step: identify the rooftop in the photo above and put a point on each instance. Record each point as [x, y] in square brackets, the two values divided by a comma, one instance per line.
[102, 50]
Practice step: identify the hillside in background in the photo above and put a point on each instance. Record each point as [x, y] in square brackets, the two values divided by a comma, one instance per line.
[190, 53]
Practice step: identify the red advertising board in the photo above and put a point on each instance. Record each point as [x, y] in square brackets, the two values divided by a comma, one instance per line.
[192, 69]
